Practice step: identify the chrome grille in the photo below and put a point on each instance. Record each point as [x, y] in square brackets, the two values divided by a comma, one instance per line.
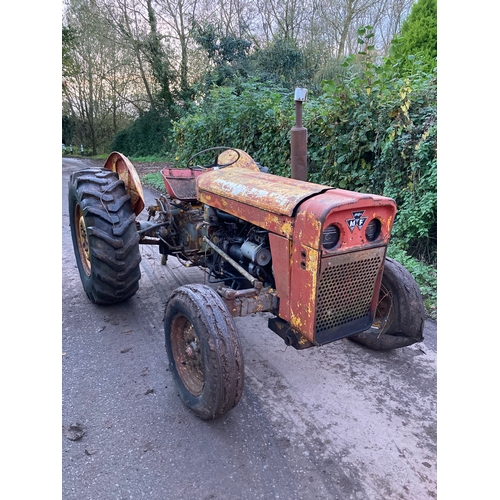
[345, 293]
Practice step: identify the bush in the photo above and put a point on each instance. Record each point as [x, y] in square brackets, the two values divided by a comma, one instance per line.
[148, 135]
[251, 117]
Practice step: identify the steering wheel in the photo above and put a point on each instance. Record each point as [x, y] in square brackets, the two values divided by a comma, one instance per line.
[214, 164]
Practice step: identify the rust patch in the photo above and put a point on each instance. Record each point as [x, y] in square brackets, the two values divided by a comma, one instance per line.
[120, 164]
[180, 183]
[271, 193]
[244, 160]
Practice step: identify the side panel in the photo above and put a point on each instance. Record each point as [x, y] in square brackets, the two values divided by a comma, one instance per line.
[280, 250]
[275, 223]
[304, 284]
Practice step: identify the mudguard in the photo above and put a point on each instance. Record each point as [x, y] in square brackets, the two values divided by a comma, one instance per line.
[120, 164]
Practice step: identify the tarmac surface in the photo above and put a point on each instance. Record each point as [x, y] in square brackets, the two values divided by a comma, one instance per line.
[333, 422]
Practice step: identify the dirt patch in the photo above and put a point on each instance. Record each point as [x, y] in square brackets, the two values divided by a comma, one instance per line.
[148, 168]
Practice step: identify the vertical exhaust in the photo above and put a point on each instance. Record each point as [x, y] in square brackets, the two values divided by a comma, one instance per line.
[298, 139]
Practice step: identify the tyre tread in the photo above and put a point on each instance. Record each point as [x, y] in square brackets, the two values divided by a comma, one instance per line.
[224, 389]
[113, 237]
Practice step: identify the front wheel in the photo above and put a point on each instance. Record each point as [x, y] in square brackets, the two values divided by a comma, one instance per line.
[204, 351]
[105, 238]
[400, 315]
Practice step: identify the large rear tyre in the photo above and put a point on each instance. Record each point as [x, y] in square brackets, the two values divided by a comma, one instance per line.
[204, 351]
[105, 238]
[400, 315]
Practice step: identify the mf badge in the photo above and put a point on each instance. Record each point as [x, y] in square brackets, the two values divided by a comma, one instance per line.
[358, 220]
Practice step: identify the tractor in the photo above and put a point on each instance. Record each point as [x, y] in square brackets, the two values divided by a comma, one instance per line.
[311, 256]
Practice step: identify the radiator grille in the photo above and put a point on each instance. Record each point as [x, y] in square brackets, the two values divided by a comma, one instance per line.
[345, 291]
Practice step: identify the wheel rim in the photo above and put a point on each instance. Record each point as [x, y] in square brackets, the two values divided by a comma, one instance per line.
[82, 240]
[187, 354]
[384, 311]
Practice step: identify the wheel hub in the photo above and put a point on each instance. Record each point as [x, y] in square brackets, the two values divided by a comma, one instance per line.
[82, 240]
[187, 354]
[383, 314]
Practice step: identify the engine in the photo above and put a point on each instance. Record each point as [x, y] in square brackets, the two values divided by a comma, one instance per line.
[183, 229]
[246, 244]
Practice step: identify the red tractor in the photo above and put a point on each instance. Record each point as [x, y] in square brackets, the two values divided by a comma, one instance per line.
[311, 255]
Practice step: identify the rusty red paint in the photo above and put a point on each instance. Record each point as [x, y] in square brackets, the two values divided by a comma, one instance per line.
[313, 216]
[274, 223]
[336, 207]
[296, 213]
[281, 251]
[271, 193]
[180, 183]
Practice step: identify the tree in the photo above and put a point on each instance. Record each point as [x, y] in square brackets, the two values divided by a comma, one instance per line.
[227, 54]
[123, 59]
[177, 16]
[281, 62]
[282, 18]
[100, 91]
[418, 37]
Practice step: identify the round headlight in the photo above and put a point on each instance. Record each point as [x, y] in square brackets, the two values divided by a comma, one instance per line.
[331, 236]
[373, 230]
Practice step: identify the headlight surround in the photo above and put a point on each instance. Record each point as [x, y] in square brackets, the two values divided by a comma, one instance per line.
[331, 236]
[373, 230]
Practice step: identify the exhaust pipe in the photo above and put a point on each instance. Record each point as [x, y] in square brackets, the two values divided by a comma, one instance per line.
[298, 139]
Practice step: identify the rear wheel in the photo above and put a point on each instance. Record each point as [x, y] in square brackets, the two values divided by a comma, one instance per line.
[204, 351]
[105, 238]
[400, 315]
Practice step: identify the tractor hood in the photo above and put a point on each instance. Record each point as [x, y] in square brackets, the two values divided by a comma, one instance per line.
[271, 193]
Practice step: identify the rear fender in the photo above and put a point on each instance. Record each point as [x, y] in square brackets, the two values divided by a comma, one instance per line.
[120, 164]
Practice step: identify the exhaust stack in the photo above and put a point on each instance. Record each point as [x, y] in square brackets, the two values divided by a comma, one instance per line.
[298, 139]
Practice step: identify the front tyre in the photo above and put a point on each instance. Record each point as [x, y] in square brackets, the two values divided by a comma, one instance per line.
[204, 351]
[400, 315]
[105, 238]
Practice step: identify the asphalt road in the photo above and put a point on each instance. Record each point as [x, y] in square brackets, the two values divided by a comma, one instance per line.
[333, 422]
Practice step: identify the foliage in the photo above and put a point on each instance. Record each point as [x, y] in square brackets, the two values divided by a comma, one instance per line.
[227, 54]
[154, 180]
[69, 37]
[418, 38]
[250, 117]
[157, 56]
[281, 62]
[220, 49]
[145, 136]
[371, 130]
[424, 274]
[121, 59]
[375, 131]
[68, 129]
